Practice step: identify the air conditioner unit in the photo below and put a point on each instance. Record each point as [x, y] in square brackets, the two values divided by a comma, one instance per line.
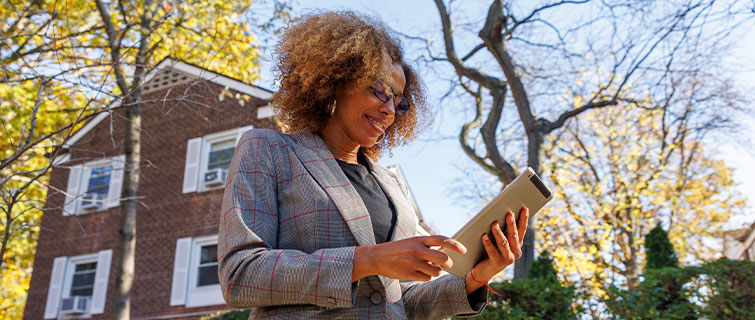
[91, 201]
[75, 305]
[215, 177]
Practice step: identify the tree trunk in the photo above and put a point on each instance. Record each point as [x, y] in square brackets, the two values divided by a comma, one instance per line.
[127, 236]
[6, 236]
[534, 147]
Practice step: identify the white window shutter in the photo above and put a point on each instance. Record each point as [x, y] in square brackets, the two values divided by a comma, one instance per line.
[55, 289]
[101, 277]
[191, 171]
[180, 272]
[116, 182]
[240, 132]
[72, 192]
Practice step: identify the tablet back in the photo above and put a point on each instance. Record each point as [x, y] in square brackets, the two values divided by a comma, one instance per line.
[526, 190]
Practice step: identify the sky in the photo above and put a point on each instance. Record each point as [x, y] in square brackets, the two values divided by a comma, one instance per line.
[432, 165]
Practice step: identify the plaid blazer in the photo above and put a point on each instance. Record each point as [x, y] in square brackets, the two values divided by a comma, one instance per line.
[288, 228]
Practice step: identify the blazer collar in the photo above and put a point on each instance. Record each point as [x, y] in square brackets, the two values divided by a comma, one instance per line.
[406, 220]
[320, 163]
[322, 166]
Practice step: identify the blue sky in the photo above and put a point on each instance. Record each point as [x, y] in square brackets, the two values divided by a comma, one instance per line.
[432, 165]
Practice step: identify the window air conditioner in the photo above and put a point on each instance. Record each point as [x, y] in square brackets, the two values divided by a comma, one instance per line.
[215, 177]
[75, 305]
[91, 201]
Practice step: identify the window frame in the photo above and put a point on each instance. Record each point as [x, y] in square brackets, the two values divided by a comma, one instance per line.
[83, 183]
[71, 269]
[209, 295]
[68, 281]
[204, 156]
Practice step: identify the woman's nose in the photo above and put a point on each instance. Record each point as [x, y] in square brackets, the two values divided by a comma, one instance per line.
[389, 107]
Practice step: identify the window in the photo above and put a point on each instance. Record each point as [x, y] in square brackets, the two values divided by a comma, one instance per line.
[195, 273]
[221, 153]
[208, 159]
[207, 269]
[80, 282]
[97, 187]
[94, 186]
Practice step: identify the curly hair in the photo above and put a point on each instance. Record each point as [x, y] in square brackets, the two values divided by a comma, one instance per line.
[320, 52]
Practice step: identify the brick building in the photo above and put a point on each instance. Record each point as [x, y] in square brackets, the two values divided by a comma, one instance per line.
[192, 119]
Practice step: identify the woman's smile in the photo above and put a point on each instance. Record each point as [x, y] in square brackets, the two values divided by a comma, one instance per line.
[376, 124]
[360, 117]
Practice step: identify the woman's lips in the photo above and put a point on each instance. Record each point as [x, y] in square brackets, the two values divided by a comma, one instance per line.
[375, 124]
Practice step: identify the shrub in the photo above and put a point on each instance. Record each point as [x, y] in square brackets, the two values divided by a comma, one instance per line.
[541, 296]
[229, 315]
[723, 289]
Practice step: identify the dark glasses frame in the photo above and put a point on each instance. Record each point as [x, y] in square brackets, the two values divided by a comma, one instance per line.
[400, 103]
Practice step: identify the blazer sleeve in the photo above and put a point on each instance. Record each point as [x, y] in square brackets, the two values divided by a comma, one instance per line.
[252, 271]
[442, 298]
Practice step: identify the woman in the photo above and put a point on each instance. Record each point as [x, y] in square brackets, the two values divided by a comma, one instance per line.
[311, 227]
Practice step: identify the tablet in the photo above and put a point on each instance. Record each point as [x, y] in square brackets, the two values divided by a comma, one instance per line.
[526, 190]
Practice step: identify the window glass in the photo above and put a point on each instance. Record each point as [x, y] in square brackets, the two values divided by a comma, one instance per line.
[208, 266]
[221, 154]
[83, 279]
[99, 182]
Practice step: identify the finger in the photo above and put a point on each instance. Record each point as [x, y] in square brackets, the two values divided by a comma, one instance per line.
[419, 276]
[500, 239]
[493, 254]
[426, 268]
[435, 256]
[524, 217]
[444, 242]
[513, 235]
[507, 257]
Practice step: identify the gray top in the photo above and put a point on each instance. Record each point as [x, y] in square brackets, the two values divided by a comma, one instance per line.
[382, 212]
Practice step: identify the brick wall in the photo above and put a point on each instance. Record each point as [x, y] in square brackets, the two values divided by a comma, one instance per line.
[166, 214]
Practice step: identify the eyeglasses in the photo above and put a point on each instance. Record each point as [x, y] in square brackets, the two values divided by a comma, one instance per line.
[400, 103]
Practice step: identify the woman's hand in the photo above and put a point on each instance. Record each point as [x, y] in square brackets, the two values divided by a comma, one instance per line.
[506, 249]
[406, 259]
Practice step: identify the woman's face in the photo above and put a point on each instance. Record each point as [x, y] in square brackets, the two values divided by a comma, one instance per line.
[360, 115]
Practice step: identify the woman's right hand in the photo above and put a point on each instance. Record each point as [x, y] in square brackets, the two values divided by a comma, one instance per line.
[406, 259]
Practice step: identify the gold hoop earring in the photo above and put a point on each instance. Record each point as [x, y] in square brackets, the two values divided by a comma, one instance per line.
[381, 137]
[332, 108]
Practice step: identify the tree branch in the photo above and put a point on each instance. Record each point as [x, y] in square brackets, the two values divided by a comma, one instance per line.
[467, 127]
[550, 126]
[473, 74]
[115, 47]
[488, 136]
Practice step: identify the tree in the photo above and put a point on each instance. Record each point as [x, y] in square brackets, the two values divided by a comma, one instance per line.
[59, 49]
[720, 289]
[659, 252]
[619, 173]
[23, 180]
[531, 71]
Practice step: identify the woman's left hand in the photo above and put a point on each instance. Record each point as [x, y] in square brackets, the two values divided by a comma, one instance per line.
[506, 249]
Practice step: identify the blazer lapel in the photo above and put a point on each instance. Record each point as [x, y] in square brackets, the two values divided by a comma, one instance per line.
[319, 162]
[406, 218]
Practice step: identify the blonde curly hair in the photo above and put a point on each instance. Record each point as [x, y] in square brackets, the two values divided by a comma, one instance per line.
[320, 52]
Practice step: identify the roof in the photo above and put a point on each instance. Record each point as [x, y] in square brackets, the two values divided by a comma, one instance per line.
[396, 169]
[170, 64]
[745, 238]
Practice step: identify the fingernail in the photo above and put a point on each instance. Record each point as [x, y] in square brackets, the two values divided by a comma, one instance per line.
[485, 237]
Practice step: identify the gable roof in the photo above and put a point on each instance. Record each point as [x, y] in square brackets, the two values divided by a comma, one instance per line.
[396, 169]
[170, 64]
